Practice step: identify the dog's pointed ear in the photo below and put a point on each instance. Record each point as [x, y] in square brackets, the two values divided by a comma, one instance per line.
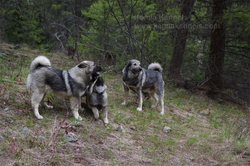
[82, 65]
[128, 63]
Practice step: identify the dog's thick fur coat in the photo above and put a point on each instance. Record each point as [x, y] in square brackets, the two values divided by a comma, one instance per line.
[147, 82]
[71, 83]
[96, 99]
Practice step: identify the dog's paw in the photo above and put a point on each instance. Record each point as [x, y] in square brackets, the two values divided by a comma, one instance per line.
[124, 103]
[105, 120]
[47, 106]
[39, 117]
[50, 107]
[162, 112]
[139, 109]
[78, 118]
[76, 115]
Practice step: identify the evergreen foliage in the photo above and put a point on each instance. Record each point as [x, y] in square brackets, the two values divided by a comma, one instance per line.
[112, 32]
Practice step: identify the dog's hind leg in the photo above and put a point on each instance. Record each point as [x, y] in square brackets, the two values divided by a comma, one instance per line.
[162, 99]
[74, 105]
[105, 115]
[162, 104]
[126, 91]
[159, 95]
[156, 97]
[36, 98]
[45, 104]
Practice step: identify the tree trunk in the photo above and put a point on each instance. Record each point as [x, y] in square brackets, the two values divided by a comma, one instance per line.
[180, 43]
[217, 49]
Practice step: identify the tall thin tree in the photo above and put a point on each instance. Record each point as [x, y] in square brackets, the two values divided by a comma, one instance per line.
[180, 43]
[217, 48]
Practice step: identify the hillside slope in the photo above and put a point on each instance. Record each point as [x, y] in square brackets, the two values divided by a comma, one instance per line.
[203, 131]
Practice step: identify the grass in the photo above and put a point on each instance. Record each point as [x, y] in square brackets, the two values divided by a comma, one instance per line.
[217, 137]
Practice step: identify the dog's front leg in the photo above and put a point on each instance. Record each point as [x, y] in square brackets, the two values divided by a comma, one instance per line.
[140, 100]
[96, 112]
[75, 104]
[80, 105]
[126, 91]
[105, 115]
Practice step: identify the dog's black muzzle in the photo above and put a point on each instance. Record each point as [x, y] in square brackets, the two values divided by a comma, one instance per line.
[136, 70]
[96, 72]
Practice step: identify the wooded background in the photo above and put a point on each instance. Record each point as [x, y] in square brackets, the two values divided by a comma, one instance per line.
[203, 45]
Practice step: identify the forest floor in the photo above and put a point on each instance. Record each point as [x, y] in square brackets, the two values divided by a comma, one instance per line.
[202, 131]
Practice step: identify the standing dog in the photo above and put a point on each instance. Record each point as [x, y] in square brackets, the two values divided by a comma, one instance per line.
[96, 98]
[71, 83]
[147, 82]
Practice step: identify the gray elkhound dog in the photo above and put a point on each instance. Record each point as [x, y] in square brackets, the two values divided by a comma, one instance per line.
[96, 98]
[71, 83]
[147, 82]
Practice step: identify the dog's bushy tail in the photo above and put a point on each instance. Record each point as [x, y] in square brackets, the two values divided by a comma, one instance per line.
[38, 62]
[155, 66]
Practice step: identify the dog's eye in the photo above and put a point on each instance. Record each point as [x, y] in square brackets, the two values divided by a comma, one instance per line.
[134, 64]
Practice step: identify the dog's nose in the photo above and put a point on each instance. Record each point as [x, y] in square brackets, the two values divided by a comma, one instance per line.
[98, 68]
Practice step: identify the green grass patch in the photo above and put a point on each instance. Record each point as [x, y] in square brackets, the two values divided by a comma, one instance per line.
[220, 135]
